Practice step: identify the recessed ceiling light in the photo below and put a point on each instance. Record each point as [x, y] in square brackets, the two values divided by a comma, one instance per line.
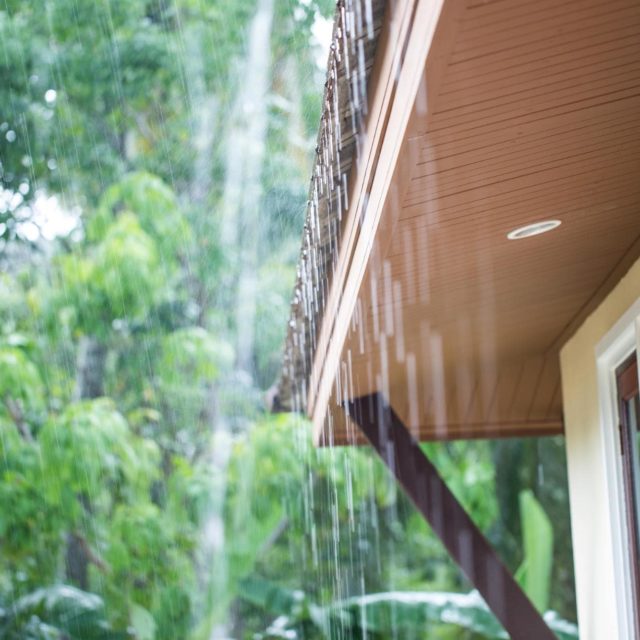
[534, 229]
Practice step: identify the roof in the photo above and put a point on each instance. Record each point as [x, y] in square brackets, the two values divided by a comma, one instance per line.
[484, 116]
[357, 26]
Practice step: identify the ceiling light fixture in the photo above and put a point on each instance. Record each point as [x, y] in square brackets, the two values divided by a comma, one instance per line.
[534, 229]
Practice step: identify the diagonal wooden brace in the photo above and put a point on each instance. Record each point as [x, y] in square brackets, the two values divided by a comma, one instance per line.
[450, 522]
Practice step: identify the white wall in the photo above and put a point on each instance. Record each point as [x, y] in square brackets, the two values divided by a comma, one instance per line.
[594, 527]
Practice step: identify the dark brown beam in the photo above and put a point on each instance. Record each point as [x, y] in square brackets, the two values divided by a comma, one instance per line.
[450, 522]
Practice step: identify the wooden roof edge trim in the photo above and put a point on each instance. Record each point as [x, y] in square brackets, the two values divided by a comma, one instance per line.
[491, 431]
[382, 86]
[397, 92]
[356, 31]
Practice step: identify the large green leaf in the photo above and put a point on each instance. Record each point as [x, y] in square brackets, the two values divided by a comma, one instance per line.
[537, 537]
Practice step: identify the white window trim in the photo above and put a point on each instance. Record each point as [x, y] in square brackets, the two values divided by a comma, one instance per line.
[614, 348]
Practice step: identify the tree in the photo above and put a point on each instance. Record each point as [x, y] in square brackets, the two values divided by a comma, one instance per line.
[115, 500]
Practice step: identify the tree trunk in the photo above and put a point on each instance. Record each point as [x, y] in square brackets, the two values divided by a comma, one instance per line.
[92, 355]
[77, 561]
[14, 409]
[240, 228]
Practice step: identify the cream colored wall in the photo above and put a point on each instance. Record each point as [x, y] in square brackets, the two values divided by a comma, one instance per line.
[590, 513]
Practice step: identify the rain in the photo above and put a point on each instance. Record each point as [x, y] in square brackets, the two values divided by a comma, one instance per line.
[176, 187]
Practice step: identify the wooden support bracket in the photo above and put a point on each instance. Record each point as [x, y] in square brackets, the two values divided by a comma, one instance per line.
[450, 522]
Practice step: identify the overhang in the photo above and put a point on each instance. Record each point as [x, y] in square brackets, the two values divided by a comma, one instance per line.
[483, 116]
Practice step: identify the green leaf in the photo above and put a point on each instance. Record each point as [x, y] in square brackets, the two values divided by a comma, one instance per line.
[537, 533]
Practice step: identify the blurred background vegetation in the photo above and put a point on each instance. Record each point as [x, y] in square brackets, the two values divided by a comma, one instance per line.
[154, 164]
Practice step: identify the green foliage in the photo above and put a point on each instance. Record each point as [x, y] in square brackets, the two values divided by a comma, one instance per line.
[29, 527]
[69, 445]
[106, 109]
[147, 558]
[269, 472]
[467, 469]
[172, 610]
[118, 278]
[189, 494]
[26, 119]
[57, 613]
[156, 209]
[193, 354]
[273, 303]
[190, 363]
[20, 380]
[126, 268]
[263, 473]
[403, 614]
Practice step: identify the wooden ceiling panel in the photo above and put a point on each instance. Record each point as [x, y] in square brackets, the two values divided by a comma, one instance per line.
[600, 158]
[512, 78]
[494, 17]
[447, 144]
[514, 152]
[515, 35]
[599, 196]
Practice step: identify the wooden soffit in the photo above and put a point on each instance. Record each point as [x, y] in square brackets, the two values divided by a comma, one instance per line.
[485, 116]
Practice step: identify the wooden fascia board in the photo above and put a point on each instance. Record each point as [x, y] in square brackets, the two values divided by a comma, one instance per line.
[381, 89]
[406, 51]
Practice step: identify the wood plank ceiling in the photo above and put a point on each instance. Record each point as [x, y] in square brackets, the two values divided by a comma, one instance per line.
[536, 117]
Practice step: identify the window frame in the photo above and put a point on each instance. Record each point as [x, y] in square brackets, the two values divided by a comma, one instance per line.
[615, 348]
